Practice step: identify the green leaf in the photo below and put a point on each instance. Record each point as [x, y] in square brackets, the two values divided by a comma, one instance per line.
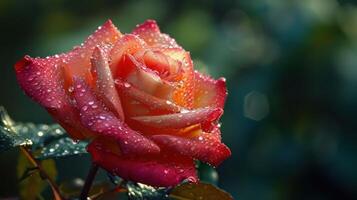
[139, 191]
[32, 186]
[14, 134]
[8, 136]
[62, 147]
[46, 141]
[116, 180]
[200, 191]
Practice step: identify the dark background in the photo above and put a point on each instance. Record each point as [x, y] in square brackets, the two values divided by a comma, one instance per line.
[291, 69]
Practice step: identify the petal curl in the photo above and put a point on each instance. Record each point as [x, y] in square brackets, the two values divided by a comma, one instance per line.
[41, 79]
[104, 82]
[128, 44]
[77, 62]
[96, 117]
[209, 92]
[181, 120]
[150, 101]
[206, 147]
[183, 94]
[149, 31]
[168, 68]
[162, 170]
[46, 80]
[146, 79]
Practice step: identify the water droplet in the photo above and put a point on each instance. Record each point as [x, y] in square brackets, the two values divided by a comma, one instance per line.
[127, 85]
[184, 111]
[40, 133]
[70, 89]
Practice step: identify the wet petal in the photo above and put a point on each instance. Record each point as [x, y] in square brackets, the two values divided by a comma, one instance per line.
[209, 92]
[183, 94]
[47, 80]
[128, 44]
[149, 31]
[41, 79]
[104, 82]
[96, 117]
[181, 120]
[168, 68]
[147, 80]
[77, 62]
[205, 147]
[163, 170]
[150, 101]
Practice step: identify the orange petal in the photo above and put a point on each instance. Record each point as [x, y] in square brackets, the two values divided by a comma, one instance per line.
[152, 102]
[183, 94]
[181, 120]
[77, 62]
[128, 44]
[209, 92]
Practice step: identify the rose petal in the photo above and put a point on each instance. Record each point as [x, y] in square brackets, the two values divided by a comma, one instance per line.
[206, 147]
[183, 94]
[209, 92]
[77, 62]
[96, 117]
[128, 44]
[163, 170]
[168, 68]
[181, 120]
[152, 102]
[41, 79]
[105, 84]
[45, 81]
[147, 80]
[149, 31]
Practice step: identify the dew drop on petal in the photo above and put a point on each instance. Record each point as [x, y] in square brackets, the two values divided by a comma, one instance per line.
[70, 89]
[127, 85]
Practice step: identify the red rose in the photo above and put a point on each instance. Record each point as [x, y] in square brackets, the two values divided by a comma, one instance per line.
[139, 100]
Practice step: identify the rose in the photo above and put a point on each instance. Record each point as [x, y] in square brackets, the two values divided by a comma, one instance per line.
[148, 114]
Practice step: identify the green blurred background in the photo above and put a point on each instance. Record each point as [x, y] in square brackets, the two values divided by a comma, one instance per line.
[291, 69]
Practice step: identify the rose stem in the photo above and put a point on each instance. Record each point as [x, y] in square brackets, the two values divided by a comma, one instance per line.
[89, 180]
[43, 174]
